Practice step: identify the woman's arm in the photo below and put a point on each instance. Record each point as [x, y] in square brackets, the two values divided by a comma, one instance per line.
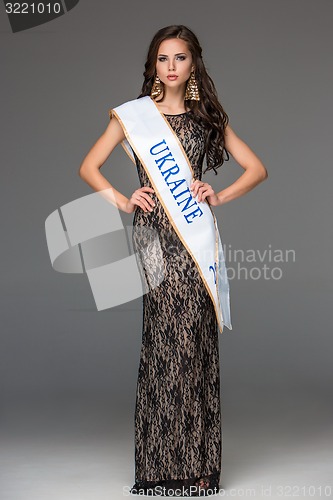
[89, 171]
[255, 171]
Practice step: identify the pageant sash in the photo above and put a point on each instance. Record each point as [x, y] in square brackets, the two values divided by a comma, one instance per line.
[157, 146]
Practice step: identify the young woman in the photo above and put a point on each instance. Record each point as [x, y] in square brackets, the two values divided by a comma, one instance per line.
[178, 436]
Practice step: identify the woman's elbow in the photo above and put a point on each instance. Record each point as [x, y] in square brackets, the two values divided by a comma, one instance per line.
[84, 170]
[81, 173]
[81, 169]
[263, 174]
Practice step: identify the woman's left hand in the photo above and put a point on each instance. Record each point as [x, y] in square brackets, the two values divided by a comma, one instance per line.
[204, 191]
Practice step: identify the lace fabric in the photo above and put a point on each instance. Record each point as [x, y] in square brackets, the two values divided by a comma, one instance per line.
[178, 437]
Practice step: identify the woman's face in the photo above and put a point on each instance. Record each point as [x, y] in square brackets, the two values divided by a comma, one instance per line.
[174, 58]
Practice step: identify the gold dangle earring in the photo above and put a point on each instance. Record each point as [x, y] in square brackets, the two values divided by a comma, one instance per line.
[192, 91]
[157, 88]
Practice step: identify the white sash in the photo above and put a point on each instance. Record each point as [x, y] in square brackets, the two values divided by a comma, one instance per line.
[157, 146]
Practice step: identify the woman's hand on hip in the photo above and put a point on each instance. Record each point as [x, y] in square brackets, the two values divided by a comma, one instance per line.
[204, 192]
[141, 198]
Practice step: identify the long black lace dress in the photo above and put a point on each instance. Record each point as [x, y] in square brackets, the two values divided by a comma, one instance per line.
[178, 435]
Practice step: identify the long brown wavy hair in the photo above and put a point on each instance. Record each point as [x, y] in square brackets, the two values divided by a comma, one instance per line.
[208, 111]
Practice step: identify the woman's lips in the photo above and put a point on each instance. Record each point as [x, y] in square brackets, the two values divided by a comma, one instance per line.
[173, 77]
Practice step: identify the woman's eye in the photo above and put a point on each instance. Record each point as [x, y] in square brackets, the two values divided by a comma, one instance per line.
[162, 59]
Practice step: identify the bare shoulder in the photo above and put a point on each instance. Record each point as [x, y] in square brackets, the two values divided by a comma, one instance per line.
[238, 148]
[105, 144]
[230, 135]
[233, 143]
[114, 129]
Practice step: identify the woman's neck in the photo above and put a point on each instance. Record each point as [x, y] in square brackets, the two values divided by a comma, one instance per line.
[173, 101]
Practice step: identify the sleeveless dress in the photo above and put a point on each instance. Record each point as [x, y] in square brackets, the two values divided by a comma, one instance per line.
[178, 436]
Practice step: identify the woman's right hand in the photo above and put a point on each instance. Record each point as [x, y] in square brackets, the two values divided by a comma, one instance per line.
[141, 198]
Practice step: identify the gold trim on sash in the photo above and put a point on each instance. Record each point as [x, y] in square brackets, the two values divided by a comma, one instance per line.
[215, 222]
[112, 113]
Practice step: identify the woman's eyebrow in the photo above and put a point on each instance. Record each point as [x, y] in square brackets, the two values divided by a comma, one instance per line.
[179, 54]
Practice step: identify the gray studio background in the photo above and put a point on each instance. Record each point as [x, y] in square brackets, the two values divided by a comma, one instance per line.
[68, 372]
